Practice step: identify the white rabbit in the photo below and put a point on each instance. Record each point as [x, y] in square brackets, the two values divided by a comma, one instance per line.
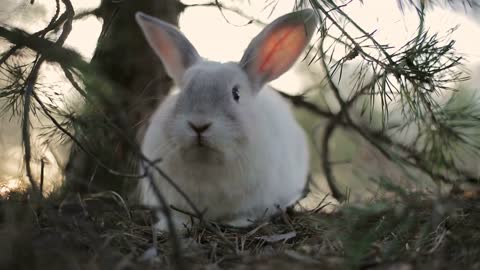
[231, 144]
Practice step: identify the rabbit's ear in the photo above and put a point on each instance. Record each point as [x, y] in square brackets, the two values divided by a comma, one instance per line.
[277, 47]
[173, 48]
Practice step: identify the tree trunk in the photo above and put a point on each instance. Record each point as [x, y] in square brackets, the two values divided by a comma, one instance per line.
[138, 82]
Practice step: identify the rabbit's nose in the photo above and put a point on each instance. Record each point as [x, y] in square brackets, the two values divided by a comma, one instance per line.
[199, 128]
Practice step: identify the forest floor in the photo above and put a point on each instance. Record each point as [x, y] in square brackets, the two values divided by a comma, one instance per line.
[102, 232]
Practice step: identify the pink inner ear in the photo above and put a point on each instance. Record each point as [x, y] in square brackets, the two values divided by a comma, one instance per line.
[280, 50]
[165, 49]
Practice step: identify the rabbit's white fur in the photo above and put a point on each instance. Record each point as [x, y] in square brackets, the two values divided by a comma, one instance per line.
[253, 159]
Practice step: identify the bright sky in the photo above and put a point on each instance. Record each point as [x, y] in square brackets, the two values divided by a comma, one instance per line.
[218, 40]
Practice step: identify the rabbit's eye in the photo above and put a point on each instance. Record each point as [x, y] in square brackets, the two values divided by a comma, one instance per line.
[235, 94]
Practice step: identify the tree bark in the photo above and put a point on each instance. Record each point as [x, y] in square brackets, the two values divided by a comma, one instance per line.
[138, 82]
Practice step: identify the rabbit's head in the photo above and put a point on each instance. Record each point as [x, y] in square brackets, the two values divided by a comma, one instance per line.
[216, 103]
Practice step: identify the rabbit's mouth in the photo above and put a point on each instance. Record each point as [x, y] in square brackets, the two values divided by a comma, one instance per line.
[204, 146]
[201, 142]
[199, 147]
[202, 152]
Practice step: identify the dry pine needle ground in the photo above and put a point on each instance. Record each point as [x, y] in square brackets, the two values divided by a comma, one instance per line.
[101, 232]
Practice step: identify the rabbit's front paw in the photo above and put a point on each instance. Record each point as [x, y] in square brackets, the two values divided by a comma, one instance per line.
[241, 222]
